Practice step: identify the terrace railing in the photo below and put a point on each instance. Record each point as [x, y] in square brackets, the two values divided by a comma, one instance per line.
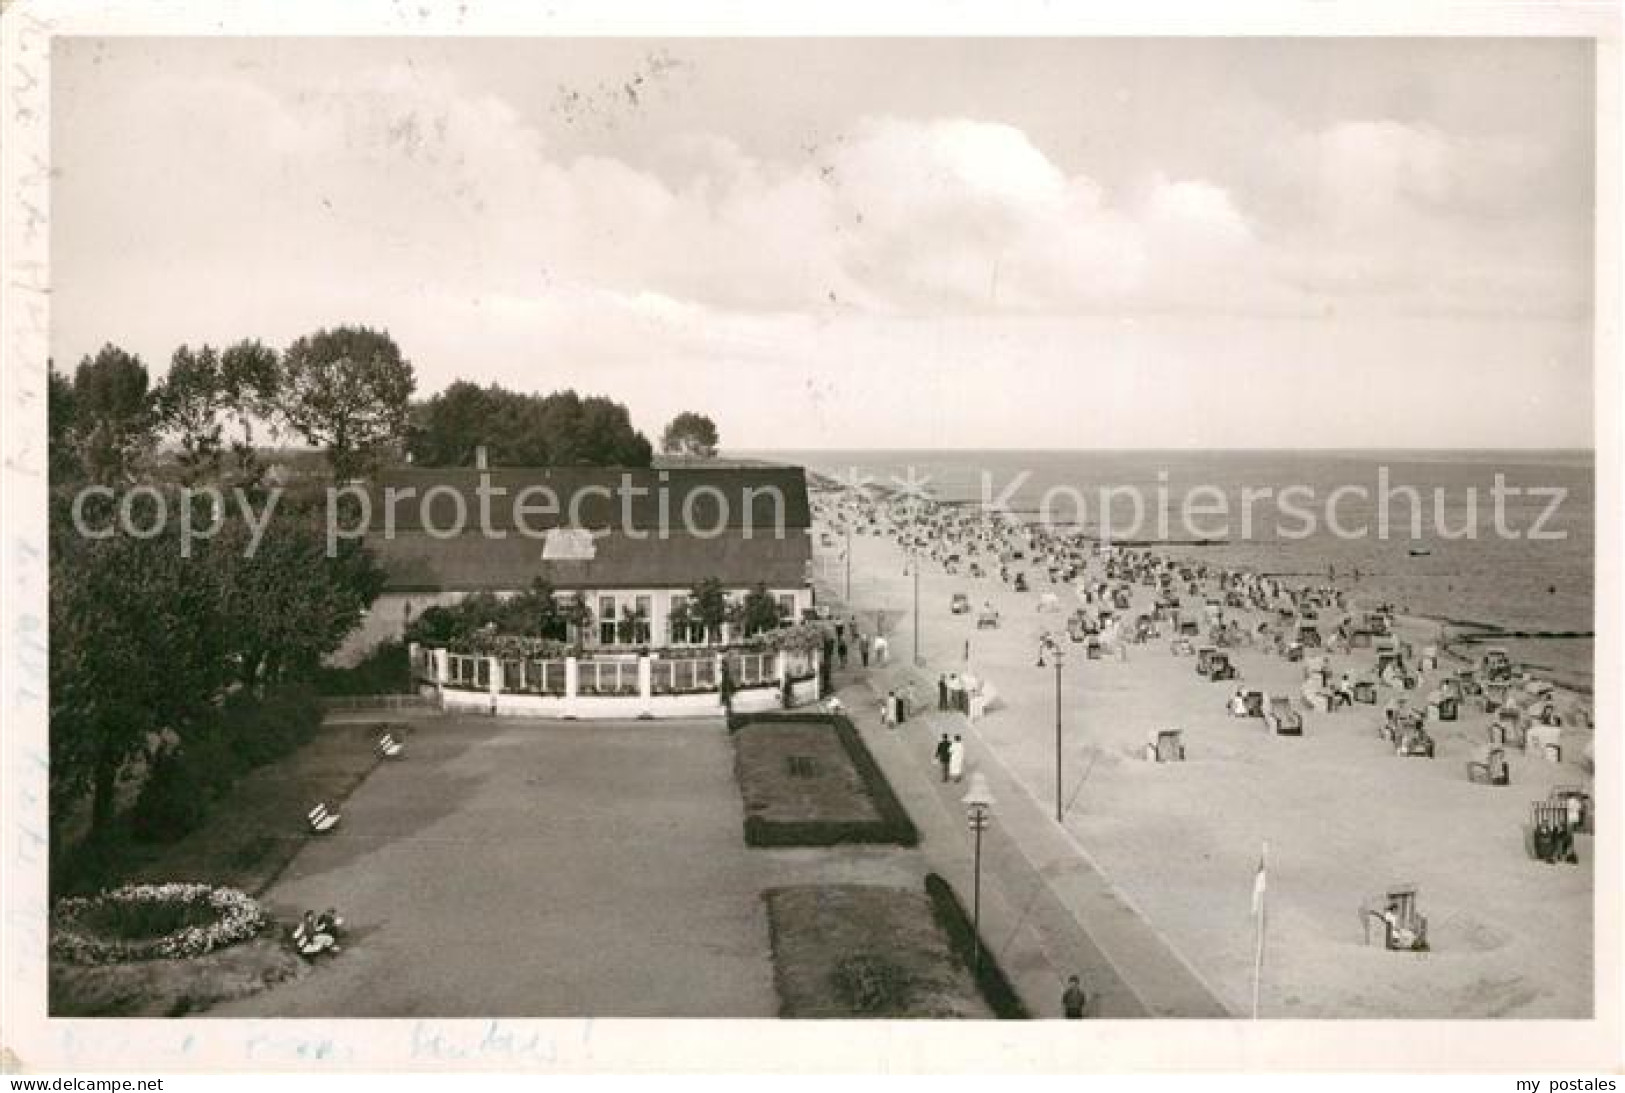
[671, 672]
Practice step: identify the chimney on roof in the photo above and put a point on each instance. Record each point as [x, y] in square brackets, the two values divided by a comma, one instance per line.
[479, 458]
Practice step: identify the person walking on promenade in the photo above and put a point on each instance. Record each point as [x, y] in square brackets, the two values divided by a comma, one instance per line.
[863, 649]
[840, 650]
[956, 759]
[882, 650]
[1073, 1000]
[942, 692]
[945, 749]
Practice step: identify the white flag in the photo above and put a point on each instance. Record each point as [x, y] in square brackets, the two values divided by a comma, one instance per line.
[1259, 884]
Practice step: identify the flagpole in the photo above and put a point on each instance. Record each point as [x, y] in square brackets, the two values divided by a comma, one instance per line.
[1260, 888]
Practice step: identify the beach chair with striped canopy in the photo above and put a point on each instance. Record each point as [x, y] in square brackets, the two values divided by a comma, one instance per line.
[1577, 800]
[1548, 820]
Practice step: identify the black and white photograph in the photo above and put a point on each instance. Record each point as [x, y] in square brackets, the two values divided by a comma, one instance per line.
[521, 531]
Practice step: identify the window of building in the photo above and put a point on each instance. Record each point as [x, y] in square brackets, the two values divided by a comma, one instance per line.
[644, 607]
[606, 620]
[674, 619]
[787, 605]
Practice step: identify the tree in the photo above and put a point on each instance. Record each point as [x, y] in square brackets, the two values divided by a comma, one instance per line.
[708, 607]
[523, 430]
[64, 464]
[250, 381]
[447, 428]
[759, 611]
[291, 603]
[137, 647]
[112, 413]
[347, 390]
[203, 392]
[576, 614]
[632, 628]
[187, 404]
[690, 434]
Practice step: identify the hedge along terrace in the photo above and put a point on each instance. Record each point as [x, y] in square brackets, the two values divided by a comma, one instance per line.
[809, 780]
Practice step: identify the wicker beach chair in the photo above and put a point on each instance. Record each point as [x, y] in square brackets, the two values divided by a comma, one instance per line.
[1490, 768]
[1165, 746]
[1397, 919]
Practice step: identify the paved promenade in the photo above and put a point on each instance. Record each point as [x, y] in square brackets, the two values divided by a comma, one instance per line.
[1047, 912]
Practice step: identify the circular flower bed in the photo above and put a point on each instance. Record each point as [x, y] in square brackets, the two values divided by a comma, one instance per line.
[152, 922]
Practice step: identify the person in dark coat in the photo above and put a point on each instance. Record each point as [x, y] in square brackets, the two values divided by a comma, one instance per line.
[1074, 1002]
[945, 748]
[942, 692]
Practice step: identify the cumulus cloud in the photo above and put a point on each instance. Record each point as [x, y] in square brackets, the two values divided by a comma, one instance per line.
[383, 170]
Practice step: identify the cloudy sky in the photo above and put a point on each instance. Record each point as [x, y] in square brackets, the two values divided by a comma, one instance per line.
[867, 243]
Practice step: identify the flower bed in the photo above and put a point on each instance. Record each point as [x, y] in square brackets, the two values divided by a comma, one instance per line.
[152, 922]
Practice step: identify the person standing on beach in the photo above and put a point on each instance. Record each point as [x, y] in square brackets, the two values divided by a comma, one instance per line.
[956, 759]
[945, 749]
[1073, 1000]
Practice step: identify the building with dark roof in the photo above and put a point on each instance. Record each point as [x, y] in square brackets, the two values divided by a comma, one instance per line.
[633, 539]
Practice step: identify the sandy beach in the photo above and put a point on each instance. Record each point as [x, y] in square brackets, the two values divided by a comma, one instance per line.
[1343, 816]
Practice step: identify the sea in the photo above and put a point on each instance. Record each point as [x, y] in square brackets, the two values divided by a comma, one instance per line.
[1423, 530]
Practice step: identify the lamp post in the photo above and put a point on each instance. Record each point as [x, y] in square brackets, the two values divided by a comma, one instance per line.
[914, 566]
[849, 564]
[1048, 643]
[978, 802]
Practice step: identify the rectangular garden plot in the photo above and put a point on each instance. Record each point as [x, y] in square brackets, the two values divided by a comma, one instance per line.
[857, 951]
[808, 780]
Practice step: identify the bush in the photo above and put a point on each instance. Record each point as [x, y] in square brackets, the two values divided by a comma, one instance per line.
[93, 864]
[434, 626]
[951, 917]
[173, 800]
[260, 730]
[386, 671]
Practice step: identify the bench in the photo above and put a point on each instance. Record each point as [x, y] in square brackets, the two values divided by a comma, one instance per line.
[321, 819]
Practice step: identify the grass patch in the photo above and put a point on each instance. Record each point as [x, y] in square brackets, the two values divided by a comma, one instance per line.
[808, 780]
[857, 951]
[146, 919]
[248, 840]
[171, 988]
